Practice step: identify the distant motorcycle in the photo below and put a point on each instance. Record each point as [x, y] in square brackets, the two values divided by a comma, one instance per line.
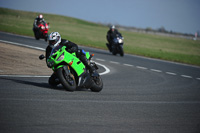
[41, 31]
[117, 45]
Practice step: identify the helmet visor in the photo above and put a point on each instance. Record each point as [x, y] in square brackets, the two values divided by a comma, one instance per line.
[52, 42]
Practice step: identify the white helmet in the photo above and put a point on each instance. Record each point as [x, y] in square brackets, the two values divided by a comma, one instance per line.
[112, 27]
[40, 16]
[54, 39]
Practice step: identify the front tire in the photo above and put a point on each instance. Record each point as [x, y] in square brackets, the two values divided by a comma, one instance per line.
[37, 35]
[46, 37]
[68, 81]
[121, 51]
[53, 80]
[114, 51]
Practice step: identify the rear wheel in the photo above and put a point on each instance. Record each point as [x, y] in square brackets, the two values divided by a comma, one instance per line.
[97, 84]
[68, 81]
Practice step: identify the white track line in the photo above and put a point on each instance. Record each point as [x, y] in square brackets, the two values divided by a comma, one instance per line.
[186, 76]
[107, 69]
[99, 59]
[25, 76]
[170, 73]
[155, 70]
[19, 44]
[128, 65]
[140, 67]
[114, 62]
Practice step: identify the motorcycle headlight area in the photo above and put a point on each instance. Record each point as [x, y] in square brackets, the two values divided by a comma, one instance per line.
[61, 57]
[42, 27]
[120, 41]
[115, 40]
[50, 64]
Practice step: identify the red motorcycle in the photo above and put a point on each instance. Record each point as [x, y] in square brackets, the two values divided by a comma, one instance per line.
[41, 31]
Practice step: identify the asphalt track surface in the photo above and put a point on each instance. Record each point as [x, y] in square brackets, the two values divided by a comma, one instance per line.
[139, 95]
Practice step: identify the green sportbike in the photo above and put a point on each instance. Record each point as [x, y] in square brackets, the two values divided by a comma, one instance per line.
[71, 72]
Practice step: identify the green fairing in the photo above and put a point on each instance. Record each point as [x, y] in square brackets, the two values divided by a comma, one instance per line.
[77, 65]
[87, 55]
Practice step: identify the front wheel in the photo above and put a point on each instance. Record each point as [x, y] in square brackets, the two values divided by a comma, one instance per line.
[114, 52]
[53, 80]
[68, 81]
[46, 37]
[37, 36]
[121, 51]
[97, 84]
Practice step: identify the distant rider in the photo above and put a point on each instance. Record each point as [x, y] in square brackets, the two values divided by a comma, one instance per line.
[55, 40]
[111, 34]
[38, 20]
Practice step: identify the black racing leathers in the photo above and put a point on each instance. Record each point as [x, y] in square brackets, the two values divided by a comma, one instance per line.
[111, 35]
[38, 21]
[70, 47]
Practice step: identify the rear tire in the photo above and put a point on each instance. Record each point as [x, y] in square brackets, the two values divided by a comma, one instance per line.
[68, 81]
[97, 84]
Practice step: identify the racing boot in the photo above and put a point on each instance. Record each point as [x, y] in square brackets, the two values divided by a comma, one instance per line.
[92, 71]
[88, 66]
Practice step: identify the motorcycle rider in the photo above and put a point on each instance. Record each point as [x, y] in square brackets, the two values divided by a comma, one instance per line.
[38, 20]
[111, 34]
[55, 40]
